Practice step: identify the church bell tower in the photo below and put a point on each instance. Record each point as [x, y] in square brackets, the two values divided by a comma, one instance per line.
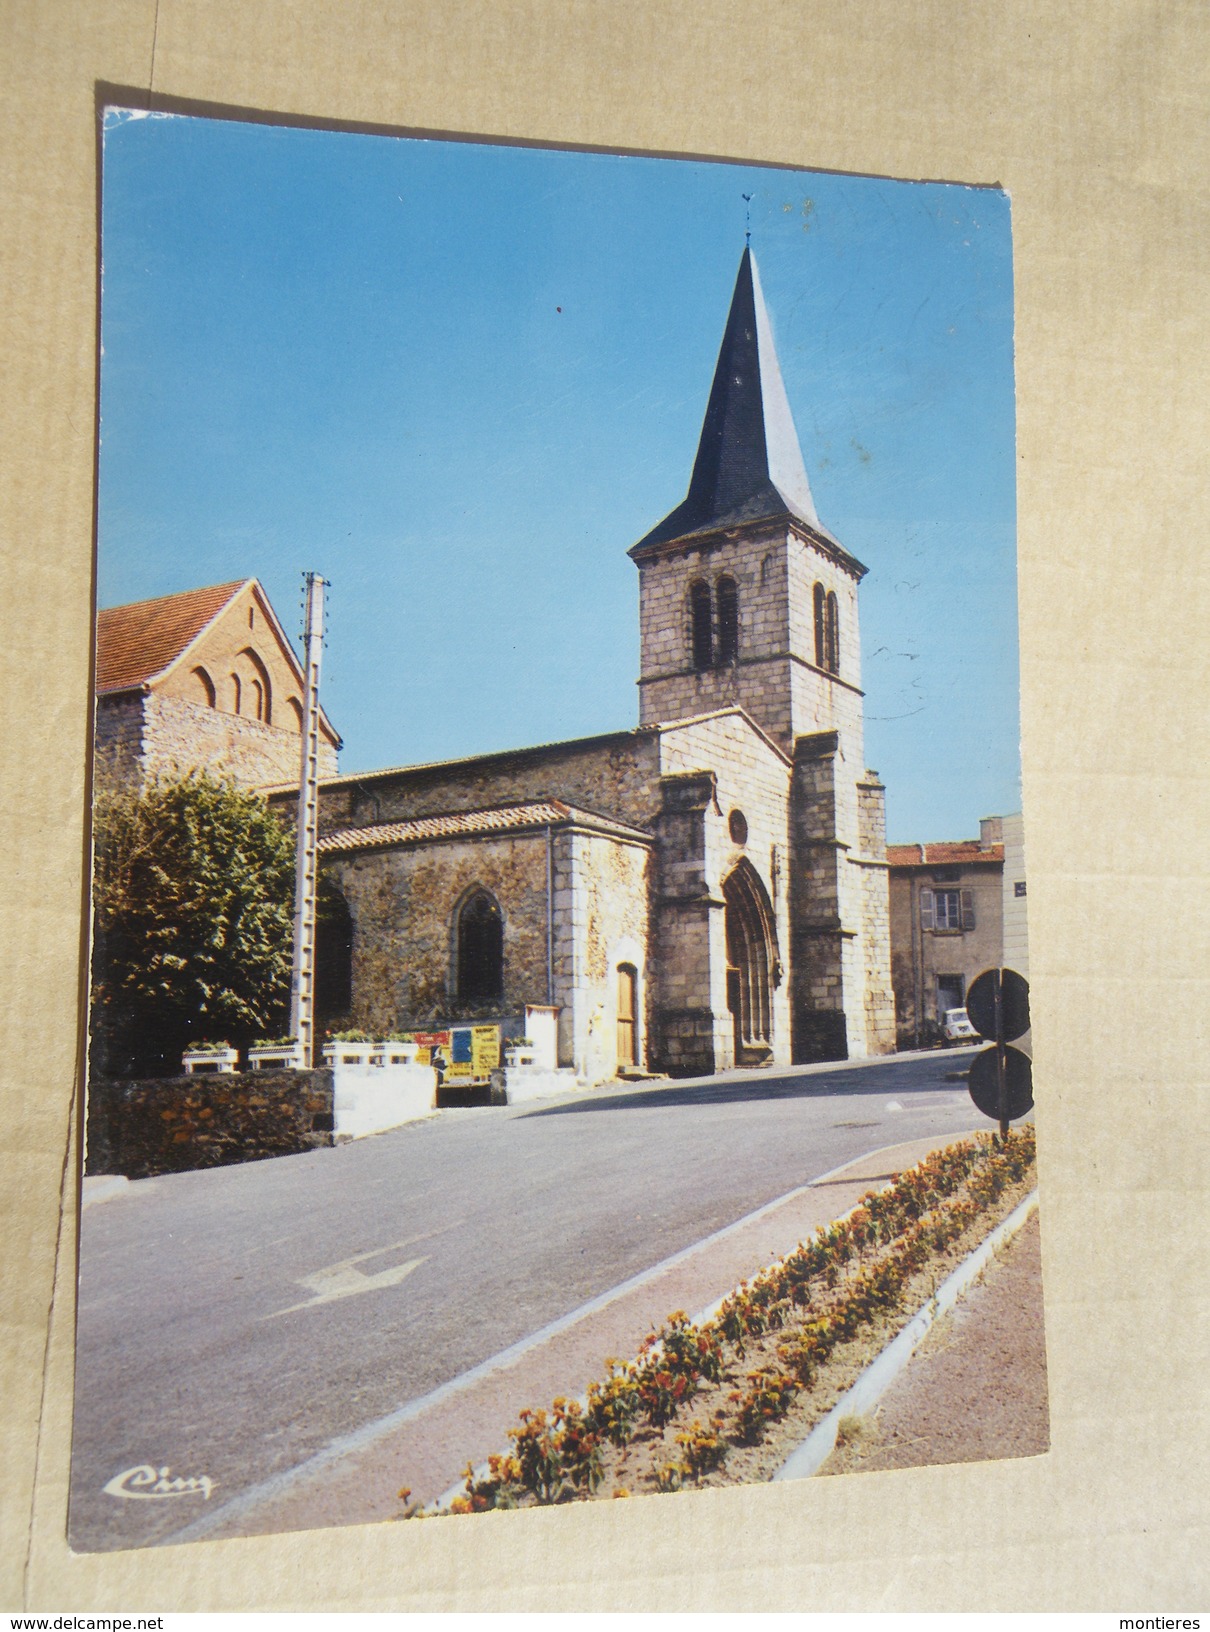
[744, 596]
[747, 601]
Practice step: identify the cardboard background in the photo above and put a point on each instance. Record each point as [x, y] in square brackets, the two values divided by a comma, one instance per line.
[1091, 114]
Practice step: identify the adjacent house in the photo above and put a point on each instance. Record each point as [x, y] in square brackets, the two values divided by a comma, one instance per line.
[206, 679]
[957, 908]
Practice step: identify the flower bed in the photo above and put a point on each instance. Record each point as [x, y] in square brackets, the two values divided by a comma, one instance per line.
[776, 1354]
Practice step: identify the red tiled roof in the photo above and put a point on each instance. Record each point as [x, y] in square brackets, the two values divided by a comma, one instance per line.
[963, 851]
[470, 823]
[137, 642]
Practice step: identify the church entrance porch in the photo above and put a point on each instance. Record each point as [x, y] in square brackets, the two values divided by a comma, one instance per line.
[753, 967]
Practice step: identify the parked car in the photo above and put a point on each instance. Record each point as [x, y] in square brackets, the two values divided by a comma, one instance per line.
[957, 1029]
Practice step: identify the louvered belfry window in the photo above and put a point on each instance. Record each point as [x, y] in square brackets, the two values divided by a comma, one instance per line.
[701, 625]
[728, 620]
[832, 635]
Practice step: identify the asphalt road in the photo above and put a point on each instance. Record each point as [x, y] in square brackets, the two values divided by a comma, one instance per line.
[233, 1322]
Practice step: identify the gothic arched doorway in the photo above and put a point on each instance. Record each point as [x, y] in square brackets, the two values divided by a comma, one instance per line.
[752, 963]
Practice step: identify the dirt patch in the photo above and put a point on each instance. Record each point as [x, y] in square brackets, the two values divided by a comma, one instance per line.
[975, 1390]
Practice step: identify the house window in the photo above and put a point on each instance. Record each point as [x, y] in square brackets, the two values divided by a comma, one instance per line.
[820, 620]
[701, 629]
[728, 620]
[947, 910]
[480, 950]
[236, 693]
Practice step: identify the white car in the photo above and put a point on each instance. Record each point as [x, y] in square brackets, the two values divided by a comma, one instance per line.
[957, 1029]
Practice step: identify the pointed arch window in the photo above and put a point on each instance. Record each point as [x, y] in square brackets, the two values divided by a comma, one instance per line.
[701, 625]
[827, 630]
[821, 614]
[832, 633]
[480, 950]
[728, 620]
[237, 693]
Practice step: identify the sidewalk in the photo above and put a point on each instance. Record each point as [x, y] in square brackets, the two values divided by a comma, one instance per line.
[975, 1390]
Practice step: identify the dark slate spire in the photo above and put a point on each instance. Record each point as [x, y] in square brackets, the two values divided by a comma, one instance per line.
[749, 465]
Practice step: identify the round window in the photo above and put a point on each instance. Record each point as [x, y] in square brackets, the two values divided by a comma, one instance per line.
[737, 826]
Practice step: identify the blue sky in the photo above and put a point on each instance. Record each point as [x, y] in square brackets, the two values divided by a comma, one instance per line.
[461, 380]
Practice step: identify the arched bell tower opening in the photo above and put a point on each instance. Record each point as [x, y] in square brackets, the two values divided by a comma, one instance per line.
[753, 967]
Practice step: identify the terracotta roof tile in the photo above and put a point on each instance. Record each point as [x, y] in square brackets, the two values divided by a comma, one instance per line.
[470, 824]
[955, 854]
[137, 642]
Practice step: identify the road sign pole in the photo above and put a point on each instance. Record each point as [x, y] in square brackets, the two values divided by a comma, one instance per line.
[1001, 1058]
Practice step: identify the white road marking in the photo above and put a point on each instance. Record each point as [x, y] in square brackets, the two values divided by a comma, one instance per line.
[345, 1280]
[893, 1105]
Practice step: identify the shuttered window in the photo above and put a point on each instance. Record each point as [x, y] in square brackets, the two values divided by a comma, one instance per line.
[947, 909]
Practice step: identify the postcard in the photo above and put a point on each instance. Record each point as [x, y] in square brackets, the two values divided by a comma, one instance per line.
[510, 1085]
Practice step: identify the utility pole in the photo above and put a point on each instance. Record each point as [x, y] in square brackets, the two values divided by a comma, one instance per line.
[302, 981]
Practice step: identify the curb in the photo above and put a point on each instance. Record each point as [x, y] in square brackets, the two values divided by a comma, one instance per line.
[882, 1371]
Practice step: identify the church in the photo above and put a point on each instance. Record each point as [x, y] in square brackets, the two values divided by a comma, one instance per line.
[706, 890]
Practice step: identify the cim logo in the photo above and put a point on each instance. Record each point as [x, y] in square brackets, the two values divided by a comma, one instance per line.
[148, 1484]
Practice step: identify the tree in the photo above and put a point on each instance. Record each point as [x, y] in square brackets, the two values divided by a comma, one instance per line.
[193, 885]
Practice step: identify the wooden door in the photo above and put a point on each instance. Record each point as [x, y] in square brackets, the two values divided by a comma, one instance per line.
[627, 984]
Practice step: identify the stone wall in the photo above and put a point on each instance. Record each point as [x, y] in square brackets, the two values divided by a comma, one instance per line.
[603, 888]
[774, 678]
[118, 739]
[671, 688]
[821, 1029]
[751, 778]
[180, 736]
[404, 904]
[146, 734]
[174, 1124]
[876, 917]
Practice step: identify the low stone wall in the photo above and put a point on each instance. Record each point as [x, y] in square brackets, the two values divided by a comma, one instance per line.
[173, 1124]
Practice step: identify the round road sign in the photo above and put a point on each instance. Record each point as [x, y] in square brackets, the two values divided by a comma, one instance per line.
[1014, 1004]
[984, 1083]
